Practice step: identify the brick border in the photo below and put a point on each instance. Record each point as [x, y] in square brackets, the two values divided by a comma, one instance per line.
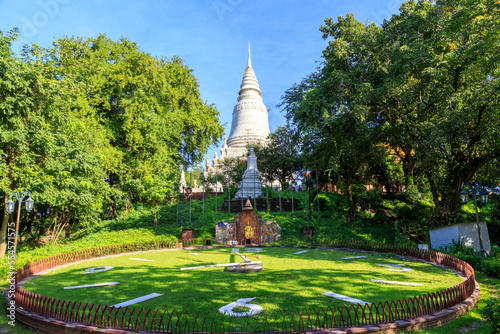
[413, 324]
[436, 319]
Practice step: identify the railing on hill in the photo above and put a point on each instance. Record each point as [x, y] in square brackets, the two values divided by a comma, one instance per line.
[174, 321]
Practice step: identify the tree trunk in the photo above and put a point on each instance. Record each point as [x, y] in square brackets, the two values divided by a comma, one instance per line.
[409, 165]
[352, 206]
[3, 230]
[446, 204]
[115, 208]
[68, 231]
[58, 229]
[153, 212]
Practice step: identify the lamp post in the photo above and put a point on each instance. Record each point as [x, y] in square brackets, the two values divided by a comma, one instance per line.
[309, 184]
[9, 207]
[464, 198]
[203, 204]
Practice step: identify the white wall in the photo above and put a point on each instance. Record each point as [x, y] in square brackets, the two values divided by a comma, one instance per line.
[466, 232]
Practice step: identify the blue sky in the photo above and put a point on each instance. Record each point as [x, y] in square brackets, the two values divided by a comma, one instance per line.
[210, 36]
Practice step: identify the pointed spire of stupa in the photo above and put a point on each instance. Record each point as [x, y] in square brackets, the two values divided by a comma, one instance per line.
[249, 63]
[250, 119]
[249, 88]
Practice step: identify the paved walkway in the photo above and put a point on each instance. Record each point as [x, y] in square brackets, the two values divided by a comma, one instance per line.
[7, 329]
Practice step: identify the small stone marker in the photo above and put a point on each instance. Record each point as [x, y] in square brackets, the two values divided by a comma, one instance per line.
[396, 267]
[138, 300]
[235, 250]
[96, 270]
[194, 253]
[345, 298]
[307, 250]
[393, 282]
[90, 285]
[133, 258]
[353, 257]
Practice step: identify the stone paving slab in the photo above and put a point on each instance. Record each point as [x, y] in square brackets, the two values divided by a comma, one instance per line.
[395, 282]
[90, 285]
[345, 298]
[138, 300]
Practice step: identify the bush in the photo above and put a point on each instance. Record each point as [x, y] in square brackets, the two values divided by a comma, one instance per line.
[492, 262]
[459, 250]
[332, 202]
[494, 223]
[493, 313]
[492, 267]
[369, 199]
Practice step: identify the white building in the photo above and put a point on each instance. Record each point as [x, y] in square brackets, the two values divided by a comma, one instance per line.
[250, 123]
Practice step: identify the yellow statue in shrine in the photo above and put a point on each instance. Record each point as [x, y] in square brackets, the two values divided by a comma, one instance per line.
[248, 231]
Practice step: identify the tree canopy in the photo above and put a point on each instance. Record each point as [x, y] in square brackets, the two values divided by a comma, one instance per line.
[91, 122]
[426, 82]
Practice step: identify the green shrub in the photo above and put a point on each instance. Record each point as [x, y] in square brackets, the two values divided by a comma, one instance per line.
[459, 250]
[333, 202]
[369, 199]
[492, 267]
[493, 313]
[494, 223]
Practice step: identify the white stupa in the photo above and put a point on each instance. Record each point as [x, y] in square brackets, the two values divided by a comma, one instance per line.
[250, 122]
[250, 185]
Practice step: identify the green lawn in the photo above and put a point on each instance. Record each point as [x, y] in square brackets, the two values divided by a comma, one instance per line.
[474, 322]
[288, 280]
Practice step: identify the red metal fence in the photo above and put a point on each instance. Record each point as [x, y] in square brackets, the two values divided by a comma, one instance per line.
[297, 320]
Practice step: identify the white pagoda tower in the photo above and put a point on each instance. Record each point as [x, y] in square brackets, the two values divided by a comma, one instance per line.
[250, 122]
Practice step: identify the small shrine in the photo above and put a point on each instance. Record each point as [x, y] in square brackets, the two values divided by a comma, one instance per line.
[247, 229]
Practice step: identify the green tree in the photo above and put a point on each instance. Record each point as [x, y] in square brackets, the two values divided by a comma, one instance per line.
[150, 108]
[427, 81]
[329, 109]
[280, 157]
[440, 98]
[44, 146]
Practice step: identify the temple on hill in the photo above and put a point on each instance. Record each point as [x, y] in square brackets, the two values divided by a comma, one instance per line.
[250, 123]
